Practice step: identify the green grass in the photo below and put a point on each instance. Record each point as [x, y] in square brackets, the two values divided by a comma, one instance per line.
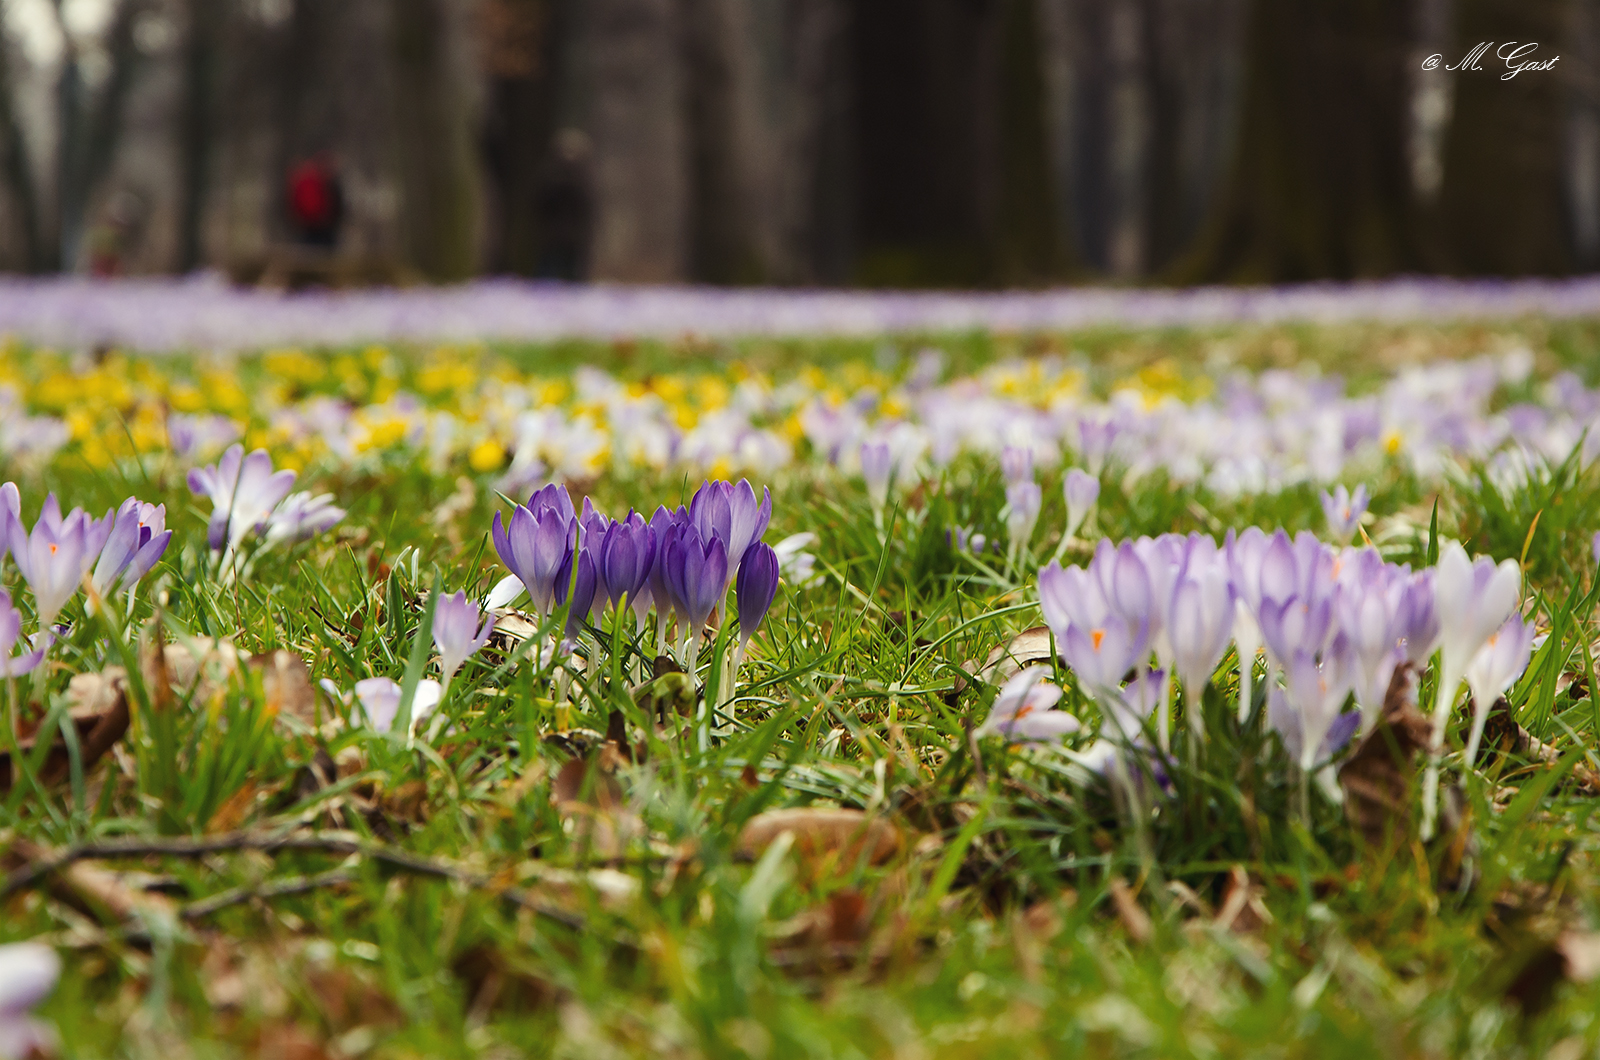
[993, 931]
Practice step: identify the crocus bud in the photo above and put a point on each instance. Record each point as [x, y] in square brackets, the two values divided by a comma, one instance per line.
[1082, 490]
[456, 632]
[1343, 510]
[877, 464]
[1023, 501]
[757, 585]
[1016, 464]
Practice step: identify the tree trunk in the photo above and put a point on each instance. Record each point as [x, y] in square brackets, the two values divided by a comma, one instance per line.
[437, 139]
[195, 129]
[18, 169]
[521, 38]
[1502, 210]
[1583, 143]
[637, 122]
[1319, 186]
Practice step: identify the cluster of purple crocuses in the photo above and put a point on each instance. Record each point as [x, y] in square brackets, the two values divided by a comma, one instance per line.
[114, 552]
[681, 562]
[1332, 623]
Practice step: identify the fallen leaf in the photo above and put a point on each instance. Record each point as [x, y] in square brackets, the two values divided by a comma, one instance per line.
[1243, 909]
[1581, 952]
[99, 722]
[1502, 734]
[286, 681]
[821, 831]
[1031, 647]
[1378, 778]
[1133, 917]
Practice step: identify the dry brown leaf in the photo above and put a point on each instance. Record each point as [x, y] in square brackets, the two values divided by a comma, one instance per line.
[1133, 917]
[1378, 777]
[1502, 734]
[99, 725]
[286, 681]
[821, 831]
[234, 809]
[1580, 950]
[1031, 647]
[1242, 909]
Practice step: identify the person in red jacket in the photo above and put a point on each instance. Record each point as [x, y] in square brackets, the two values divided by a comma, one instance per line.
[315, 202]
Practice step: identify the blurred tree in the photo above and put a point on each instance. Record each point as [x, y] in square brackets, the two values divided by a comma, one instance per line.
[197, 125]
[952, 173]
[434, 79]
[1502, 207]
[18, 171]
[520, 48]
[758, 87]
[637, 122]
[1318, 186]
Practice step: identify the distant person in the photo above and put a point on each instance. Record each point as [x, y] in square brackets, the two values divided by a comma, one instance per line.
[565, 209]
[117, 233]
[316, 202]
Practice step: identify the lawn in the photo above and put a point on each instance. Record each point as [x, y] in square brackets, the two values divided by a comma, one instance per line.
[975, 782]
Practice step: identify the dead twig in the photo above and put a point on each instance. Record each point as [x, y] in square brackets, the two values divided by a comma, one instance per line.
[346, 843]
[203, 908]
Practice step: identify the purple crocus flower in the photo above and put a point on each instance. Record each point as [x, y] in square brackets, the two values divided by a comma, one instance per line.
[1419, 621]
[137, 540]
[624, 556]
[535, 546]
[1016, 464]
[1343, 510]
[665, 526]
[57, 554]
[1295, 626]
[1024, 711]
[1594, 547]
[1316, 694]
[1023, 501]
[553, 497]
[877, 465]
[1095, 440]
[456, 632]
[10, 634]
[1200, 621]
[301, 517]
[380, 701]
[1283, 719]
[243, 491]
[28, 972]
[1473, 599]
[1496, 667]
[580, 584]
[696, 571]
[11, 511]
[729, 512]
[757, 584]
[1071, 597]
[1082, 491]
[1101, 656]
[1372, 609]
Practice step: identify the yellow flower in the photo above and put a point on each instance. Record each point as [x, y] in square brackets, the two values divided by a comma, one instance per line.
[711, 392]
[487, 455]
[186, 397]
[293, 365]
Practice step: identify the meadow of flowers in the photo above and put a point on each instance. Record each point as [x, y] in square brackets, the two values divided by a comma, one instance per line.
[1120, 694]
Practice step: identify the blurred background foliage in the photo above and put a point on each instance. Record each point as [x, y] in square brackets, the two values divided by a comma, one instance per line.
[871, 142]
